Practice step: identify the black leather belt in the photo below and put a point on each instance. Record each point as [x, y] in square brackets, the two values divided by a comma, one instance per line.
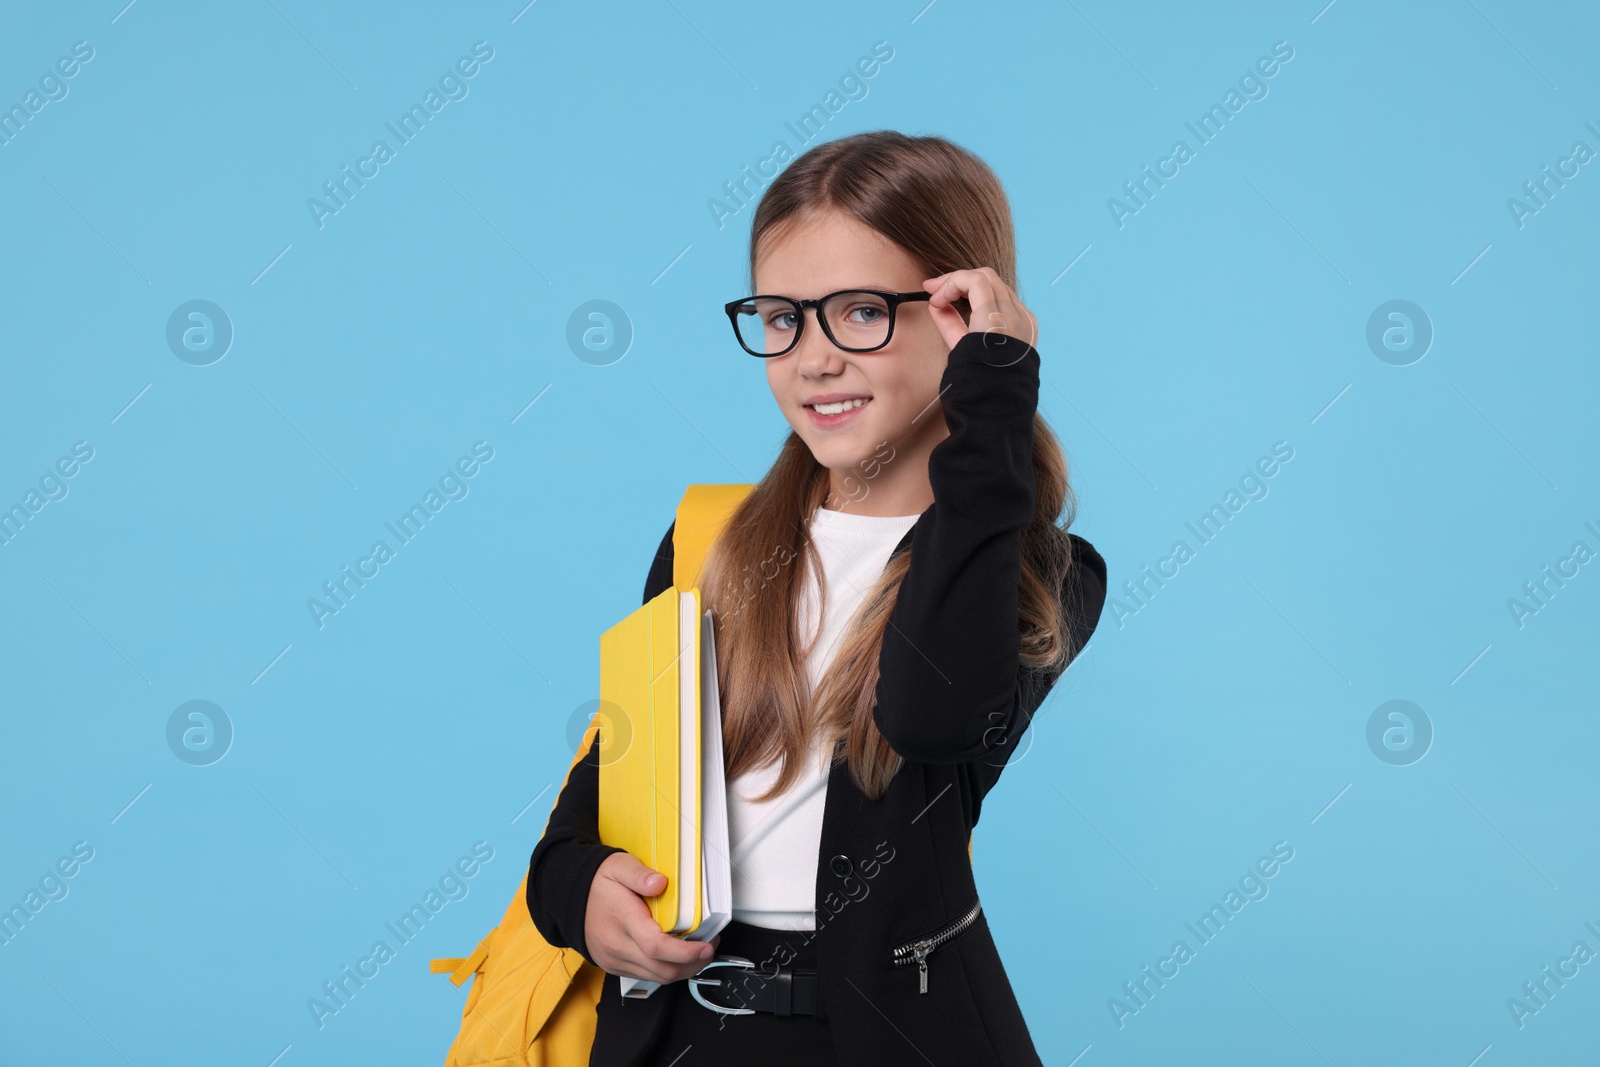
[786, 992]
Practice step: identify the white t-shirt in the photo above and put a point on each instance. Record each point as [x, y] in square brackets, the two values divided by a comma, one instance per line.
[774, 844]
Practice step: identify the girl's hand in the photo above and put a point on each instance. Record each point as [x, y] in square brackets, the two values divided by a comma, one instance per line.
[995, 308]
[620, 933]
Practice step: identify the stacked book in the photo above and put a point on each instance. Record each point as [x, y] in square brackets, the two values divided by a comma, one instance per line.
[663, 797]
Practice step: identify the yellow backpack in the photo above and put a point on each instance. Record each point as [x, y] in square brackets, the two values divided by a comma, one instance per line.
[533, 1004]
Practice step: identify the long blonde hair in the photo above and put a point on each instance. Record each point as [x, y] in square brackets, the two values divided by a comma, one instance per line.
[947, 209]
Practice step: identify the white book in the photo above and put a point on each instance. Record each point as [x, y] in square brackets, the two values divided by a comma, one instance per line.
[711, 869]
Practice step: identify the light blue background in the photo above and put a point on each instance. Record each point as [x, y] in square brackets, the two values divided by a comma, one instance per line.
[428, 314]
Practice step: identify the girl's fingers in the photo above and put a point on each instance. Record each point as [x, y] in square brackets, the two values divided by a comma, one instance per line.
[644, 971]
[995, 307]
[959, 283]
[982, 289]
[639, 963]
[662, 948]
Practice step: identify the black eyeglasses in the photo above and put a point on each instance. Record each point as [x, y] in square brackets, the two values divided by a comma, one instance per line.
[857, 320]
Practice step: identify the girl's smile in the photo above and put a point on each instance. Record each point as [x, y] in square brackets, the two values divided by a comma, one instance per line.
[829, 410]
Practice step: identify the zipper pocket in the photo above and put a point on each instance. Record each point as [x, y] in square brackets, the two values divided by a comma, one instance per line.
[918, 951]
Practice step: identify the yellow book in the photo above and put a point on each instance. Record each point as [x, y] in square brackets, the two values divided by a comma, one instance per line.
[662, 791]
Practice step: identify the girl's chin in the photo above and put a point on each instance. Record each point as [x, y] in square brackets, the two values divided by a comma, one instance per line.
[842, 456]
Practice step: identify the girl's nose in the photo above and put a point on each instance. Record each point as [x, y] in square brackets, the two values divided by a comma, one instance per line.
[815, 354]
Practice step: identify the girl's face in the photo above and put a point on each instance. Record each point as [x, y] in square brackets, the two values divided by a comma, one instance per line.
[898, 383]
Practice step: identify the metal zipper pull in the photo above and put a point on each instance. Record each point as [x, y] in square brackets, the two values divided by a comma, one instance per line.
[920, 949]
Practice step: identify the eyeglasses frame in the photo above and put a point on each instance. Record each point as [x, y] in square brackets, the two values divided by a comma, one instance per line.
[894, 300]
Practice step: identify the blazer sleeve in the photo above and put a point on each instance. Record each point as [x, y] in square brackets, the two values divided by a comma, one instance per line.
[951, 684]
[563, 865]
[1084, 595]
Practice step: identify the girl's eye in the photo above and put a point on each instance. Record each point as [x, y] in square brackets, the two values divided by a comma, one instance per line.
[783, 320]
[866, 314]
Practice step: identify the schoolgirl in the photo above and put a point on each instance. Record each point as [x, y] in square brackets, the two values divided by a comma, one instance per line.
[893, 601]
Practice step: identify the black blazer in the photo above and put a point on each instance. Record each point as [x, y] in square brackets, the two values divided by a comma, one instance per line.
[952, 698]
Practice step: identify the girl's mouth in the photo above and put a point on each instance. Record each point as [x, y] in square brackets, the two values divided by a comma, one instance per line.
[837, 413]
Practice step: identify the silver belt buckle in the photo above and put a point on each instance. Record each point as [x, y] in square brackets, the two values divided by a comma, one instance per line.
[721, 961]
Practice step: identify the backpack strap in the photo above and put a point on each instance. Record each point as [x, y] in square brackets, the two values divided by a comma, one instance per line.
[702, 513]
[460, 968]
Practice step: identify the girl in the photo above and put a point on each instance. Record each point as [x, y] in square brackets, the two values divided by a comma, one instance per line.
[892, 602]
